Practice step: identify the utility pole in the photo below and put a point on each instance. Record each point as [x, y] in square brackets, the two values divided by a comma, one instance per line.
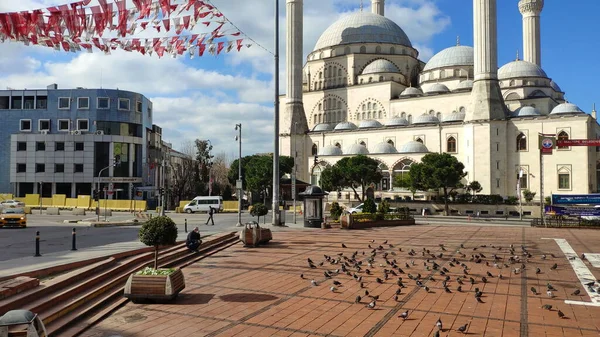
[238, 184]
[519, 194]
[164, 191]
[295, 154]
[276, 221]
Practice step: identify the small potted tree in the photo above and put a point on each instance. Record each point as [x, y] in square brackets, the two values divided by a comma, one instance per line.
[154, 283]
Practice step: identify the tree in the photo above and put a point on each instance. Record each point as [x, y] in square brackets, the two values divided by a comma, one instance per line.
[474, 186]
[528, 195]
[259, 210]
[369, 206]
[158, 231]
[204, 160]
[439, 171]
[257, 172]
[183, 169]
[352, 172]
[406, 181]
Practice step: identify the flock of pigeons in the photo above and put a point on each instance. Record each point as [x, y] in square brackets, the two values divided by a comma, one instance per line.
[381, 263]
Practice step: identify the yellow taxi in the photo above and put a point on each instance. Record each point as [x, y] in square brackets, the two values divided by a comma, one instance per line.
[13, 217]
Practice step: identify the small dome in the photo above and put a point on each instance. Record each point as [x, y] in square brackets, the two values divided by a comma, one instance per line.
[426, 119]
[380, 66]
[369, 123]
[526, 111]
[453, 117]
[323, 127]
[411, 92]
[436, 88]
[384, 148]
[520, 69]
[345, 126]
[451, 57]
[555, 86]
[566, 108]
[396, 121]
[362, 27]
[330, 150]
[464, 85]
[413, 147]
[355, 149]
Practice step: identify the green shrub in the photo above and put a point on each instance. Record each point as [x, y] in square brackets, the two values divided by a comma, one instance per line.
[336, 210]
[158, 231]
[369, 206]
[384, 207]
[547, 200]
[511, 200]
[258, 210]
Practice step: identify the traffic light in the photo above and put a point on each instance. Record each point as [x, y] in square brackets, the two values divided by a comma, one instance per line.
[95, 194]
[161, 191]
[316, 160]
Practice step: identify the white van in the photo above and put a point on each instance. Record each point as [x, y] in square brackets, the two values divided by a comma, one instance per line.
[202, 204]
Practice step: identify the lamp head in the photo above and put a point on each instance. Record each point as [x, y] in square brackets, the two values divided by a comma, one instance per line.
[236, 138]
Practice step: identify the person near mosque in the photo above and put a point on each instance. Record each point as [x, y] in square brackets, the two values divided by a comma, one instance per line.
[193, 240]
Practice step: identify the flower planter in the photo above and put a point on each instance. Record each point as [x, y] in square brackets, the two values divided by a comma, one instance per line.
[252, 235]
[154, 287]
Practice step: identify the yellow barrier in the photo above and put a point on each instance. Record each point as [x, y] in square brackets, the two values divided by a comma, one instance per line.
[84, 201]
[47, 202]
[59, 200]
[32, 200]
[230, 206]
[71, 203]
[6, 196]
[183, 203]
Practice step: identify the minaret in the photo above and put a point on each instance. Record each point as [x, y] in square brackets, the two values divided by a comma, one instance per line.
[377, 7]
[531, 9]
[294, 119]
[487, 98]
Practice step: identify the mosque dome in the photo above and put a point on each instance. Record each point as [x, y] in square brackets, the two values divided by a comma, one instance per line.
[323, 127]
[566, 108]
[384, 148]
[411, 92]
[413, 147]
[356, 149]
[362, 27]
[380, 66]
[436, 88]
[555, 86]
[345, 126]
[451, 57]
[464, 85]
[425, 119]
[453, 117]
[330, 150]
[369, 123]
[519, 69]
[396, 121]
[526, 111]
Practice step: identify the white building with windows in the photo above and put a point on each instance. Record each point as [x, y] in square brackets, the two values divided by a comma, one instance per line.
[363, 90]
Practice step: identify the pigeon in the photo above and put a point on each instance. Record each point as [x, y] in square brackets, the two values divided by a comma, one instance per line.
[576, 292]
[380, 281]
[404, 315]
[357, 299]
[554, 266]
[302, 276]
[446, 289]
[309, 260]
[436, 334]
[337, 283]
[366, 293]
[463, 328]
[439, 324]
[549, 293]
[479, 299]
[550, 287]
[312, 266]
[371, 305]
[314, 283]
[398, 291]
[547, 307]
[375, 297]
[538, 271]
[333, 289]
[484, 279]
[534, 291]
[326, 274]
[427, 289]
[459, 289]
[489, 274]
[560, 314]
[395, 298]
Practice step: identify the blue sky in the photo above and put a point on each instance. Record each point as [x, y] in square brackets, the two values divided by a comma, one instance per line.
[205, 97]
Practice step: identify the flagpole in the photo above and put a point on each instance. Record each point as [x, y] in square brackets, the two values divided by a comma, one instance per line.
[275, 220]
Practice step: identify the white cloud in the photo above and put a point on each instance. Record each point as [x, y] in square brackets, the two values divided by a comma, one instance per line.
[192, 100]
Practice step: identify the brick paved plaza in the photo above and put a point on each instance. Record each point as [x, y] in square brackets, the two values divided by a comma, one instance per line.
[259, 291]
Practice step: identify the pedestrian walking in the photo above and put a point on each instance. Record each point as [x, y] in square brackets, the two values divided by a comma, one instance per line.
[211, 211]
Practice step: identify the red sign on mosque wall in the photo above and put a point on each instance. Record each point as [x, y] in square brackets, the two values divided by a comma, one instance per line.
[578, 142]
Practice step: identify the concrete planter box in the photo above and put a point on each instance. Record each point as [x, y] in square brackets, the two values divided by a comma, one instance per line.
[154, 287]
[347, 222]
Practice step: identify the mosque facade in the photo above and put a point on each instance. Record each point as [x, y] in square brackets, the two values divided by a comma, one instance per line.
[364, 90]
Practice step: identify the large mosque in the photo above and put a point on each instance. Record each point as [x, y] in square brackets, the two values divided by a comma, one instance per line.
[364, 90]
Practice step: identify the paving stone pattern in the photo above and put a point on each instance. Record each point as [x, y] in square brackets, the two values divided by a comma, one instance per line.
[259, 291]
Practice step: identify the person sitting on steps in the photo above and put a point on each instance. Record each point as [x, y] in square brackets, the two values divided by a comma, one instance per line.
[211, 211]
[193, 240]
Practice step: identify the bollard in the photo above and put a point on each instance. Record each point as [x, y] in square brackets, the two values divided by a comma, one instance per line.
[37, 244]
[186, 225]
[74, 241]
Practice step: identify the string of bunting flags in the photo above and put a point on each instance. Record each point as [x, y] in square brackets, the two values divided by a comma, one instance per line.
[109, 26]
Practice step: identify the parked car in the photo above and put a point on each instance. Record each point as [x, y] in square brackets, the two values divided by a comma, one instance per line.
[12, 203]
[13, 217]
[359, 208]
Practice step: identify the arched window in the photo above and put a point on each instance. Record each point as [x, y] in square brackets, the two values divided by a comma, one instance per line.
[403, 115]
[523, 181]
[370, 79]
[369, 115]
[362, 81]
[338, 145]
[563, 136]
[439, 115]
[419, 140]
[391, 142]
[315, 150]
[409, 119]
[392, 50]
[363, 115]
[363, 143]
[378, 50]
[320, 106]
[347, 50]
[462, 109]
[363, 49]
[339, 72]
[564, 178]
[364, 107]
[451, 145]
[320, 74]
[521, 142]
[380, 78]
[315, 121]
[402, 168]
[511, 83]
[431, 112]
[379, 114]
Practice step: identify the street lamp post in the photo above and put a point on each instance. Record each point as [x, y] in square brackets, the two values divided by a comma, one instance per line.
[238, 183]
[115, 163]
[294, 152]
[209, 168]
[276, 220]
